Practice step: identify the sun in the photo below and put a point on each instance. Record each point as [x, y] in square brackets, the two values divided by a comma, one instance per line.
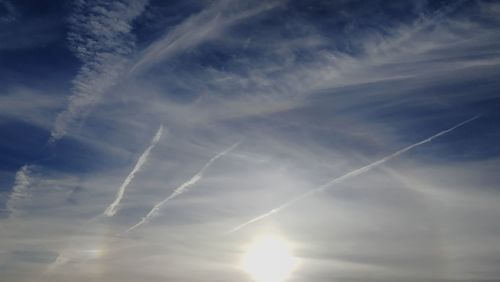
[269, 259]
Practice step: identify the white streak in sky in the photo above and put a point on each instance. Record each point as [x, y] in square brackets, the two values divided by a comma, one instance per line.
[19, 190]
[112, 209]
[182, 188]
[349, 175]
[196, 29]
[101, 37]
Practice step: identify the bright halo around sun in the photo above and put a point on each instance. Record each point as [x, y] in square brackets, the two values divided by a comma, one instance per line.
[269, 259]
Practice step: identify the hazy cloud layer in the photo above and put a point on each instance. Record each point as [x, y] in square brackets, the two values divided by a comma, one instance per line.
[310, 91]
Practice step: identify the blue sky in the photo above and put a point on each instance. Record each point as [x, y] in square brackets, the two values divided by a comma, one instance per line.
[139, 136]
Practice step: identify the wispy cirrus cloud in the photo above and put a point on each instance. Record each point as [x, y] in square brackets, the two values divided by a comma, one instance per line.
[203, 26]
[28, 105]
[409, 54]
[101, 37]
[20, 190]
[311, 97]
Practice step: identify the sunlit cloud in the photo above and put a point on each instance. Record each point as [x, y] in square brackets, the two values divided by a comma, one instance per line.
[100, 36]
[307, 141]
[351, 174]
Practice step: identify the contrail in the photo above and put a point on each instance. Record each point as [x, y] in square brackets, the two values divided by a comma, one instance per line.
[104, 51]
[182, 188]
[19, 190]
[112, 209]
[349, 175]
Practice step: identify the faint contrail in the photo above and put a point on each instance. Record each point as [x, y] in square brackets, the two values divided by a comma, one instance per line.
[112, 209]
[20, 190]
[348, 175]
[182, 188]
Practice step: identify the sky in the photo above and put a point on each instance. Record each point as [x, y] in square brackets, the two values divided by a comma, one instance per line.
[156, 140]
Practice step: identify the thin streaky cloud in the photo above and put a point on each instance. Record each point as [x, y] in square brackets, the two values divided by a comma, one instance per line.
[113, 207]
[101, 37]
[351, 174]
[206, 25]
[19, 190]
[183, 187]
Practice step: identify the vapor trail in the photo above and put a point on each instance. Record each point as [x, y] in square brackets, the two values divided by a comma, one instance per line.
[19, 190]
[112, 209]
[182, 188]
[100, 35]
[349, 175]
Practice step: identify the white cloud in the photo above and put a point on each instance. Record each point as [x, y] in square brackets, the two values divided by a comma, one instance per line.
[206, 25]
[349, 175]
[28, 105]
[20, 190]
[425, 216]
[100, 36]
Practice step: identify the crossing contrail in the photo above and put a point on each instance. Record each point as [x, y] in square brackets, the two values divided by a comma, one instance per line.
[348, 175]
[182, 188]
[113, 207]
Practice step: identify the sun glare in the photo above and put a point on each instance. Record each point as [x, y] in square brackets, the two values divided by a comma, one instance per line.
[269, 259]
